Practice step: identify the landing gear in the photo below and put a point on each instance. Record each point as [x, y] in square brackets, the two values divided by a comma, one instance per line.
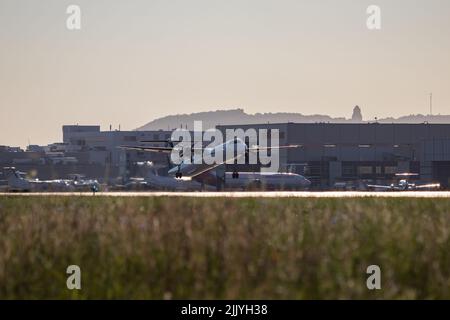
[235, 175]
[178, 175]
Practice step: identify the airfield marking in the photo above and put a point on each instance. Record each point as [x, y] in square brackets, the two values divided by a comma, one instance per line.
[276, 194]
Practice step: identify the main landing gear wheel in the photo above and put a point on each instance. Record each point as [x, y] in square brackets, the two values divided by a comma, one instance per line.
[235, 175]
[178, 175]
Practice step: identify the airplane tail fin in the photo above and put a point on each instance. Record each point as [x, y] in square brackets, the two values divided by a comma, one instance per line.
[15, 181]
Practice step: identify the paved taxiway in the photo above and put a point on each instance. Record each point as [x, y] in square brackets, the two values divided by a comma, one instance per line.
[277, 194]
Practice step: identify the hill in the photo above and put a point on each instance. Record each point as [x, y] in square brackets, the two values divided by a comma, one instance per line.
[211, 119]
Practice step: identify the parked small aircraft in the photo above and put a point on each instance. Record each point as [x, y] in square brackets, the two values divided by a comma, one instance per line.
[18, 183]
[404, 184]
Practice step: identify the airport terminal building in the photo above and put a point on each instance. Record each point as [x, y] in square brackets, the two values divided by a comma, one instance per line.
[85, 150]
[331, 152]
[96, 147]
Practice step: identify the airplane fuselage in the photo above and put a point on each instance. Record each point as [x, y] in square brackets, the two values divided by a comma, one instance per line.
[266, 181]
[229, 151]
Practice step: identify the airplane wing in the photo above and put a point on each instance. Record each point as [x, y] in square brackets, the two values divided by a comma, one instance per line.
[374, 186]
[428, 186]
[167, 149]
[149, 149]
[259, 148]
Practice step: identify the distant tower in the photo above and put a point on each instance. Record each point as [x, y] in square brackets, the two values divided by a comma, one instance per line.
[356, 116]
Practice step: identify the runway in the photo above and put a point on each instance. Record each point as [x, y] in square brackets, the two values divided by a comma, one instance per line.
[276, 194]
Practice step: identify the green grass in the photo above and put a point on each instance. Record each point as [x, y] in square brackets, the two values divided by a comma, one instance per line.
[159, 248]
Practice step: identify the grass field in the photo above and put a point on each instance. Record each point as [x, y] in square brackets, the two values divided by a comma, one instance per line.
[172, 248]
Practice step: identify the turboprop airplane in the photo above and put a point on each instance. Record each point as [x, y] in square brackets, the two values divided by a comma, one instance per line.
[155, 181]
[404, 184]
[17, 183]
[194, 167]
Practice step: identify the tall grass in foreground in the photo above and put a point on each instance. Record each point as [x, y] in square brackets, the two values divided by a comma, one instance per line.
[155, 248]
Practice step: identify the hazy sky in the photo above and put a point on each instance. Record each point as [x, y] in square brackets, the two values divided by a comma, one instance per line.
[135, 60]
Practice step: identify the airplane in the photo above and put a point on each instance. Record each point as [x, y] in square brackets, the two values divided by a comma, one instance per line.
[266, 181]
[81, 184]
[154, 181]
[158, 182]
[405, 185]
[206, 181]
[192, 170]
[17, 183]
